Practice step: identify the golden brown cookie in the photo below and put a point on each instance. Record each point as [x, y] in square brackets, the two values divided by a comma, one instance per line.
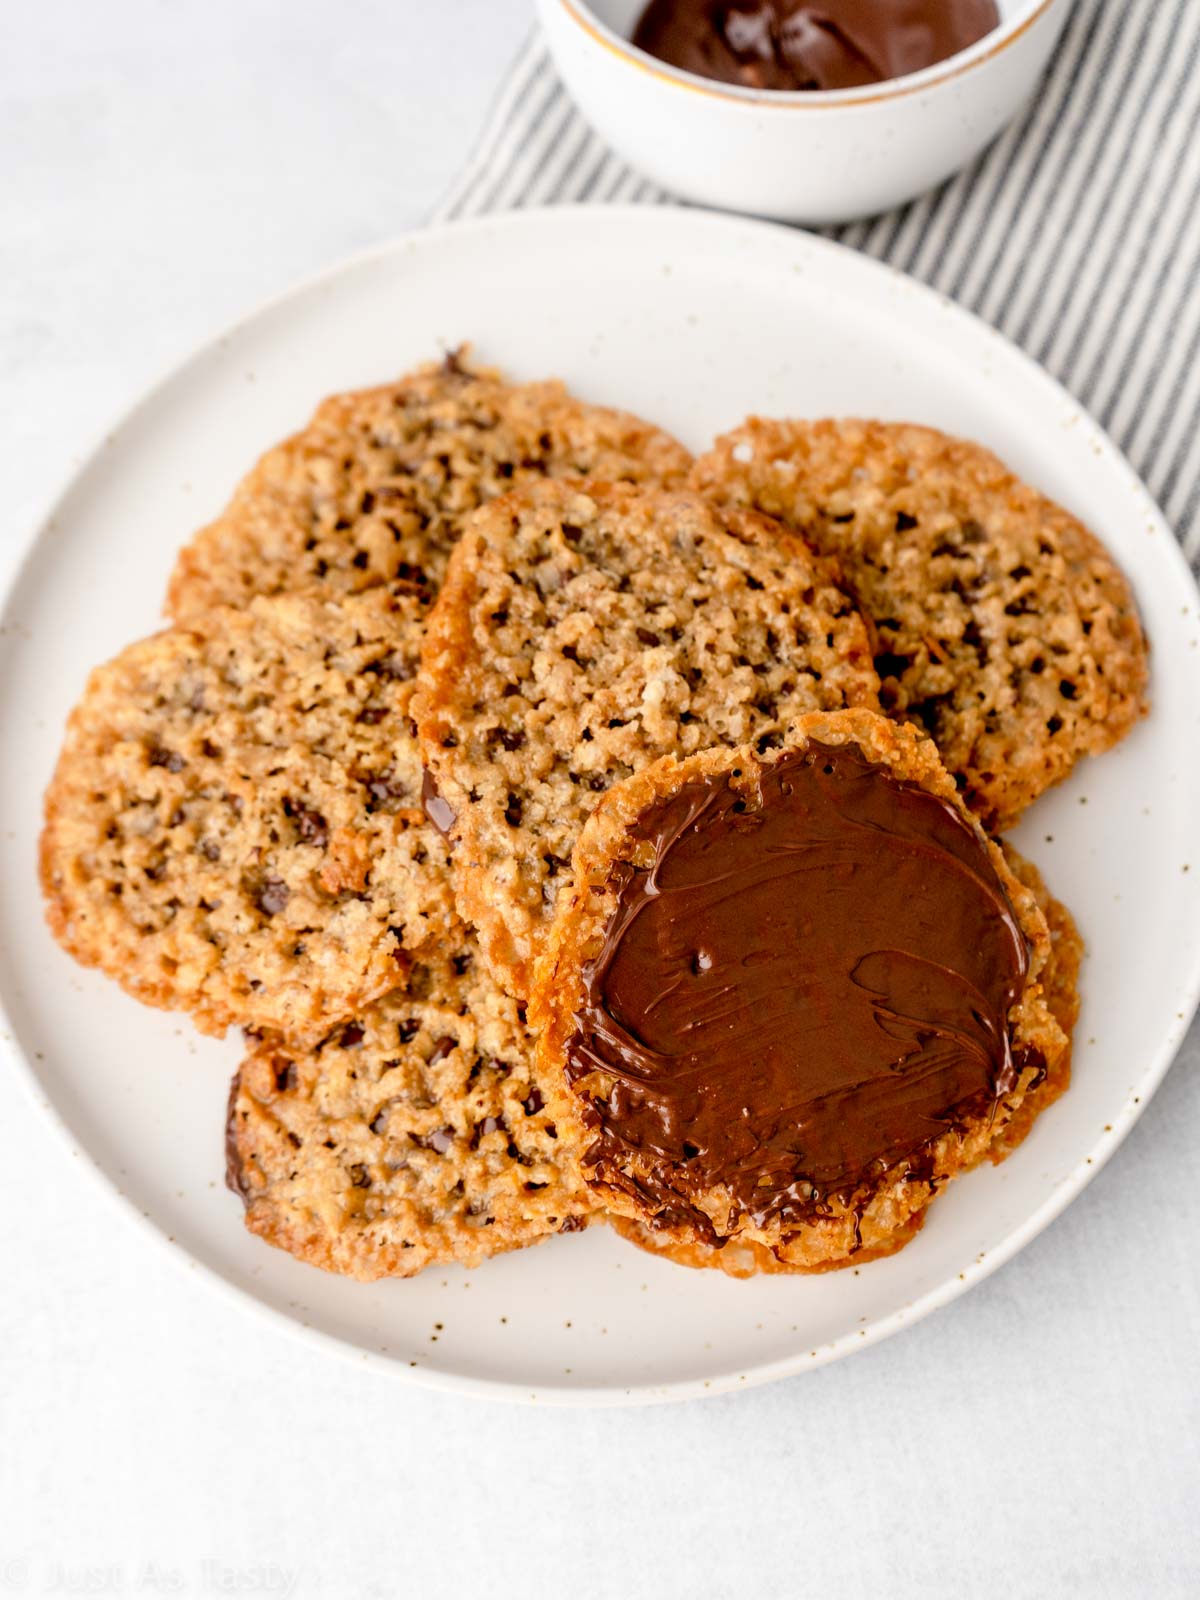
[787, 997]
[375, 487]
[584, 630]
[235, 826]
[1004, 627]
[414, 1135]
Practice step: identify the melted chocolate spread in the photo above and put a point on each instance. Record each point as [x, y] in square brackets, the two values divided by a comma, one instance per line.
[830, 44]
[805, 987]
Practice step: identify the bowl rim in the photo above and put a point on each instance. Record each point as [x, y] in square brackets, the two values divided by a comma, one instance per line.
[580, 14]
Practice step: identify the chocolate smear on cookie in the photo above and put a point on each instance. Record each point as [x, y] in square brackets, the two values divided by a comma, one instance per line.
[803, 986]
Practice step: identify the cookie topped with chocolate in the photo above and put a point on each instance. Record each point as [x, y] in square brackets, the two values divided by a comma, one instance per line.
[791, 994]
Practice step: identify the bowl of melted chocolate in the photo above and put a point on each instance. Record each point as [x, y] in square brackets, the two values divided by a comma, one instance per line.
[814, 111]
[795, 45]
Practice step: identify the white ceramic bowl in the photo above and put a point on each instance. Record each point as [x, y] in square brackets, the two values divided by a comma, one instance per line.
[802, 157]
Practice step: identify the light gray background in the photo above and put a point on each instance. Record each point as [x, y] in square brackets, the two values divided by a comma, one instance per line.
[162, 167]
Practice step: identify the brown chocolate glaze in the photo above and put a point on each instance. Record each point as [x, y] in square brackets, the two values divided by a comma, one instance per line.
[829, 44]
[805, 988]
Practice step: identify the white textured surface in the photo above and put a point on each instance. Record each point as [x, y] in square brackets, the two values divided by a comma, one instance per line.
[161, 167]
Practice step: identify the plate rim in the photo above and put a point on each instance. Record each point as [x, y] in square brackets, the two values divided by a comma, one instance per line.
[445, 1380]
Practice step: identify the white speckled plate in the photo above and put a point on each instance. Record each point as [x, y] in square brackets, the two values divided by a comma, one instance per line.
[692, 319]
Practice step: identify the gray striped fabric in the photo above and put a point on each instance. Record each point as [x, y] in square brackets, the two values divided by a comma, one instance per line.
[1077, 234]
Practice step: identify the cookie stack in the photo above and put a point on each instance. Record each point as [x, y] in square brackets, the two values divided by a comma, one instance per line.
[581, 832]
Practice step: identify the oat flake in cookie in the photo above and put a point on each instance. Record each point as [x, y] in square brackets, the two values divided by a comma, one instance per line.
[375, 487]
[415, 1134]
[1059, 980]
[584, 631]
[792, 995]
[235, 826]
[1004, 627]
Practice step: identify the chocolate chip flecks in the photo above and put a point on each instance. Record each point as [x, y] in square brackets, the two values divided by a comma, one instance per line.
[272, 896]
[170, 759]
[310, 824]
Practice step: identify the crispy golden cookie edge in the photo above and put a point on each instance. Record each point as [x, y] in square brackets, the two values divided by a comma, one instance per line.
[788, 468]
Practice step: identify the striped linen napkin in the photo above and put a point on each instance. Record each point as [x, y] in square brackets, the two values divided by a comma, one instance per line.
[1077, 234]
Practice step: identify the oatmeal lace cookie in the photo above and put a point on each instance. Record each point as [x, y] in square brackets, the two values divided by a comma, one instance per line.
[375, 487]
[791, 995]
[415, 1134]
[584, 630]
[1004, 627]
[235, 828]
